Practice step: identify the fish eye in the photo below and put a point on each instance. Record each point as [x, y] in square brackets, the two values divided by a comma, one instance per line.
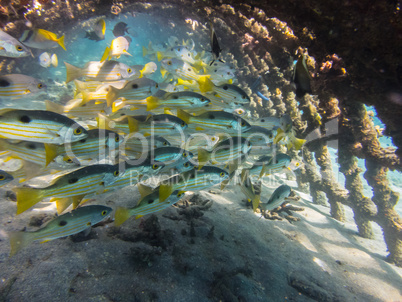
[249, 144]
[135, 86]
[19, 48]
[117, 139]
[243, 123]
[222, 174]
[225, 87]
[129, 70]
[116, 173]
[270, 136]
[156, 85]
[297, 164]
[202, 99]
[78, 131]
[155, 166]
[69, 160]
[243, 97]
[2, 177]
[150, 201]
[185, 154]
[165, 143]
[183, 124]
[40, 85]
[179, 194]
[189, 69]
[169, 62]
[104, 213]
[186, 165]
[213, 139]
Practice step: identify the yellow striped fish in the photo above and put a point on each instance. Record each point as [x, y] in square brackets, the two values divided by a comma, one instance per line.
[193, 180]
[224, 151]
[159, 124]
[231, 94]
[182, 99]
[277, 198]
[62, 226]
[247, 188]
[137, 143]
[98, 143]
[99, 71]
[5, 177]
[39, 126]
[138, 89]
[277, 164]
[132, 171]
[181, 69]
[75, 108]
[17, 86]
[30, 151]
[216, 120]
[147, 205]
[86, 180]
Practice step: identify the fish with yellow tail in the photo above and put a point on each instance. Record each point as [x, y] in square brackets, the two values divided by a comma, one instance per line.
[98, 32]
[137, 89]
[215, 121]
[64, 225]
[277, 198]
[248, 189]
[180, 69]
[147, 205]
[230, 94]
[76, 108]
[174, 100]
[20, 86]
[286, 134]
[39, 126]
[271, 164]
[118, 47]
[159, 124]
[193, 180]
[146, 69]
[99, 143]
[5, 177]
[99, 71]
[41, 39]
[11, 47]
[69, 188]
[224, 151]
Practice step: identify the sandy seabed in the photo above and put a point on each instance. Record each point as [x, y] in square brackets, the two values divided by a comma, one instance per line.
[211, 248]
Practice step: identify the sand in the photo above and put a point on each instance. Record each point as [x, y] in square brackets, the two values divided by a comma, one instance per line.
[210, 248]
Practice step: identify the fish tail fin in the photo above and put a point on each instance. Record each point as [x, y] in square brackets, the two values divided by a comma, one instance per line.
[86, 96]
[152, 103]
[159, 56]
[163, 72]
[133, 124]
[62, 204]
[183, 115]
[144, 51]
[165, 190]
[60, 41]
[51, 152]
[255, 202]
[279, 136]
[298, 143]
[111, 96]
[27, 198]
[72, 72]
[203, 157]
[54, 107]
[116, 106]
[106, 54]
[104, 122]
[121, 215]
[205, 84]
[54, 60]
[19, 240]
[262, 173]
[180, 81]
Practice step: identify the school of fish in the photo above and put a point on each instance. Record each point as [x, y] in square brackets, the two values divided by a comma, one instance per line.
[186, 133]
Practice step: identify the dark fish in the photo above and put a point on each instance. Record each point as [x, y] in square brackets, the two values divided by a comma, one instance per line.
[120, 29]
[302, 77]
[215, 48]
